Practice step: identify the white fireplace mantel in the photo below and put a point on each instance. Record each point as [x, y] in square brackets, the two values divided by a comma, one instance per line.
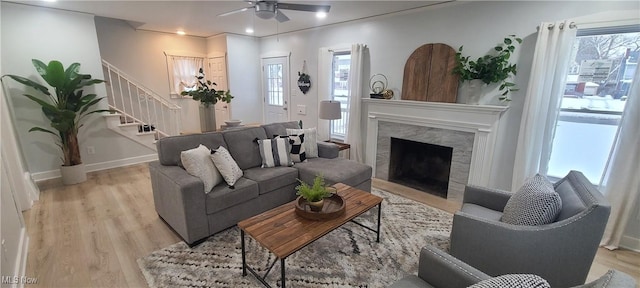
[482, 120]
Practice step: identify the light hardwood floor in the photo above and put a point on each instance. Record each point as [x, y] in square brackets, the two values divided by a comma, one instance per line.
[90, 235]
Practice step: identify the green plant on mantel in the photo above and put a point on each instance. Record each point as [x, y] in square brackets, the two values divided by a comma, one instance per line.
[67, 108]
[315, 192]
[491, 68]
[206, 93]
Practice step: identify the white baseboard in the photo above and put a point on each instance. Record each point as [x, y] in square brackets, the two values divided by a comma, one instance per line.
[32, 189]
[630, 243]
[21, 260]
[52, 174]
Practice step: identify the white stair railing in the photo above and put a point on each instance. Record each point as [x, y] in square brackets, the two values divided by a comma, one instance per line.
[140, 104]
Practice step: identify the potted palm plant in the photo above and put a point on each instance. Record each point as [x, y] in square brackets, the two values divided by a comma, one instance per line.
[488, 69]
[315, 193]
[208, 97]
[66, 108]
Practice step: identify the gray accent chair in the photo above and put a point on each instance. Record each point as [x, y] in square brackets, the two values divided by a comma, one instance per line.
[437, 269]
[180, 200]
[560, 252]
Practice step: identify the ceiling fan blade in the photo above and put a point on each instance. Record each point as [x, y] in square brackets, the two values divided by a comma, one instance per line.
[235, 11]
[304, 7]
[281, 17]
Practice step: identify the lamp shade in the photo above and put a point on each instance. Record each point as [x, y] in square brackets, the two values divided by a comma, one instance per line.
[330, 110]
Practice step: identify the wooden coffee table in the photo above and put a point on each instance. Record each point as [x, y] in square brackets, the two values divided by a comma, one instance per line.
[283, 232]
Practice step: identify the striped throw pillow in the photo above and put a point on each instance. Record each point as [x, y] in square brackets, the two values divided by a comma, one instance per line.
[275, 152]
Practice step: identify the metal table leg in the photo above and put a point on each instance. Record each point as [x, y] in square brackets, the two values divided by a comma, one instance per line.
[378, 231]
[282, 272]
[244, 258]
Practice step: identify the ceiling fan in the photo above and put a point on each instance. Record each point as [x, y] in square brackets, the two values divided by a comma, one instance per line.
[267, 9]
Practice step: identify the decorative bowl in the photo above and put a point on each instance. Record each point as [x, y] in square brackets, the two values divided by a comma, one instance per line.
[233, 123]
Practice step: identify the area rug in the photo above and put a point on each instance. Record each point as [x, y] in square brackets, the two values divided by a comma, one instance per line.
[347, 257]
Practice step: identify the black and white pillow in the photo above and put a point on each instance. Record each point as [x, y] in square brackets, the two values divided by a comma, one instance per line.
[275, 152]
[536, 203]
[513, 281]
[310, 143]
[298, 153]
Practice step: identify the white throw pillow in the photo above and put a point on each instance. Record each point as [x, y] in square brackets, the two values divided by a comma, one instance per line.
[227, 166]
[310, 140]
[197, 162]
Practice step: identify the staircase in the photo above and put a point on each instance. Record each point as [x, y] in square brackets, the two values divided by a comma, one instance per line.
[142, 115]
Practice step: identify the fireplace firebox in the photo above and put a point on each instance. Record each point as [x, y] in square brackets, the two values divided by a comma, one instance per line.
[421, 166]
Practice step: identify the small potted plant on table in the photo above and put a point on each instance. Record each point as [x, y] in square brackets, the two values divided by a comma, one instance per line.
[314, 194]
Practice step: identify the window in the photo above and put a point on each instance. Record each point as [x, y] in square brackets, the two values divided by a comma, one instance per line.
[604, 62]
[340, 92]
[182, 73]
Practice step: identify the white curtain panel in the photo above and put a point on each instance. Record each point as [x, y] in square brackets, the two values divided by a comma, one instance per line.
[325, 59]
[185, 70]
[621, 180]
[354, 128]
[542, 102]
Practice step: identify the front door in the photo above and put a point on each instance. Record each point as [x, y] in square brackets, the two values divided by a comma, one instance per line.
[218, 74]
[275, 89]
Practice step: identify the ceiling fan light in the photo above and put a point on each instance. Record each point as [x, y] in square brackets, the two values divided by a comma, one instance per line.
[265, 14]
[265, 10]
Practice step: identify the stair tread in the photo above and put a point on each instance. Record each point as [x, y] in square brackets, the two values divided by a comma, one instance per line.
[131, 124]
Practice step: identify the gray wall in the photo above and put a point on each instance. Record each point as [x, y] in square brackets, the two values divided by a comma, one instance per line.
[30, 32]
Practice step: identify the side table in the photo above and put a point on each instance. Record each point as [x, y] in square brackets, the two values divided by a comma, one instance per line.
[342, 147]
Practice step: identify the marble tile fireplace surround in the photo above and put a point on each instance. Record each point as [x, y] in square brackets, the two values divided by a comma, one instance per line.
[470, 130]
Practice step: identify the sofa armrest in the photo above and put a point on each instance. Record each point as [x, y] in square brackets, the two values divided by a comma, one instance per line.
[440, 269]
[180, 200]
[493, 199]
[327, 150]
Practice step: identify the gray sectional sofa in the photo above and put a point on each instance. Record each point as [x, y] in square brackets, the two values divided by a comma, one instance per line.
[194, 215]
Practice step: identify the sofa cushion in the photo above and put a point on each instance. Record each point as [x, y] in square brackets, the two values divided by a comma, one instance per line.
[169, 148]
[334, 170]
[270, 179]
[274, 129]
[311, 139]
[513, 281]
[482, 212]
[223, 197]
[536, 203]
[226, 165]
[243, 147]
[275, 152]
[197, 162]
[298, 153]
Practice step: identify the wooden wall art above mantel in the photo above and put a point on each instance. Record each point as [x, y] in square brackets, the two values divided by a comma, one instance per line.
[428, 74]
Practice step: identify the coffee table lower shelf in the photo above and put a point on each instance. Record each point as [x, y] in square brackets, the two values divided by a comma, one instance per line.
[284, 217]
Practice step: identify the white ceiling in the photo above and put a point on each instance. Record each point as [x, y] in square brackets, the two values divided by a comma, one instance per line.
[199, 18]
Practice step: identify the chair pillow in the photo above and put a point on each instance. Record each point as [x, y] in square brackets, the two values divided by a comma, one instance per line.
[513, 281]
[275, 152]
[198, 163]
[298, 153]
[228, 167]
[311, 140]
[536, 203]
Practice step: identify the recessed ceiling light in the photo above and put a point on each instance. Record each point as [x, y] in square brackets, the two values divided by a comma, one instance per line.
[321, 15]
[49, 0]
[180, 32]
[249, 30]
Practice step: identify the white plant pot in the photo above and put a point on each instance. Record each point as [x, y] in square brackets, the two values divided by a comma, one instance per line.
[208, 118]
[476, 92]
[73, 174]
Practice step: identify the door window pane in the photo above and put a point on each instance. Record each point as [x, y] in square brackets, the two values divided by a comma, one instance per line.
[275, 89]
